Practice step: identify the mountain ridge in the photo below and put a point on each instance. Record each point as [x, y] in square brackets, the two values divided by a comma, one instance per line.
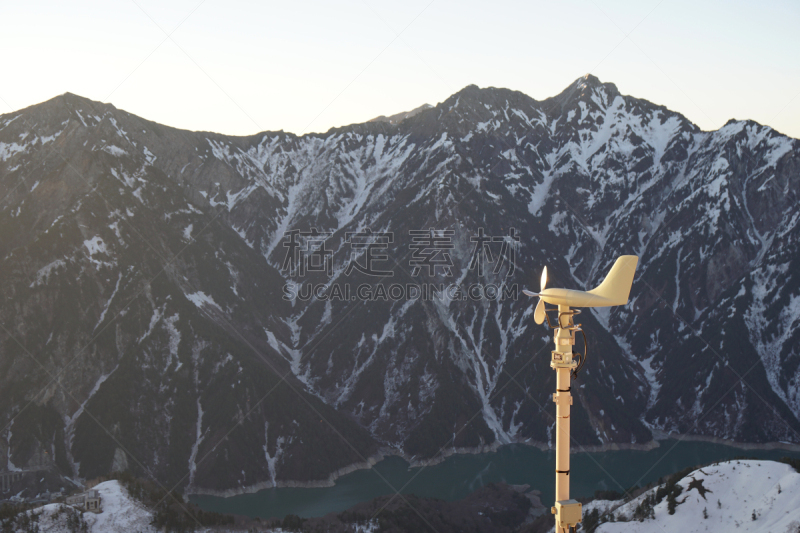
[471, 90]
[175, 239]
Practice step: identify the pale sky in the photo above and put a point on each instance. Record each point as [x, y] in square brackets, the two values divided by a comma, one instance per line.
[239, 67]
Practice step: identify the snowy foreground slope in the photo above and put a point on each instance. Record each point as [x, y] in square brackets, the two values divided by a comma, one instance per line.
[121, 514]
[731, 494]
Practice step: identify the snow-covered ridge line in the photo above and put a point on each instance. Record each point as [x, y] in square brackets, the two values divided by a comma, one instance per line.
[746, 495]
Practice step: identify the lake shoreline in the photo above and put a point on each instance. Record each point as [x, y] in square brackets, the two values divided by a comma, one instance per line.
[445, 454]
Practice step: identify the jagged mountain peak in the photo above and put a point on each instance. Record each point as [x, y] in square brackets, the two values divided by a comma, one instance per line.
[590, 80]
[474, 95]
[69, 101]
[73, 98]
[588, 89]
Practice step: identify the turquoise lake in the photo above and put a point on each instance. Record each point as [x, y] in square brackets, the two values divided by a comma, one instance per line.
[459, 475]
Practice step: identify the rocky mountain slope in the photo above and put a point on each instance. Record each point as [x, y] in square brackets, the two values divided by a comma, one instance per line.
[148, 273]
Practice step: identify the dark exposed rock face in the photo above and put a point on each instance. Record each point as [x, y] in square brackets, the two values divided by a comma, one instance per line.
[143, 323]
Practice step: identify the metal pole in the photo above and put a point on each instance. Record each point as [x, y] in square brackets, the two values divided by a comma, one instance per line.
[563, 399]
[567, 511]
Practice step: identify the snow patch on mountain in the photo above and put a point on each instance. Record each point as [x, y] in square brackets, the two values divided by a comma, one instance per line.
[69, 422]
[158, 313]
[95, 245]
[43, 274]
[116, 151]
[9, 149]
[199, 436]
[273, 459]
[201, 299]
[174, 341]
[108, 303]
[542, 189]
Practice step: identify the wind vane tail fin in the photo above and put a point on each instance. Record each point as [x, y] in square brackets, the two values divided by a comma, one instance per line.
[617, 285]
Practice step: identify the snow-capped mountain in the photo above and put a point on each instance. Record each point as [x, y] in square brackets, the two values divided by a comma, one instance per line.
[748, 495]
[145, 271]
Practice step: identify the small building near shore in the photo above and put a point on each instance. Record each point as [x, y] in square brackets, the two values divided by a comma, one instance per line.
[88, 501]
